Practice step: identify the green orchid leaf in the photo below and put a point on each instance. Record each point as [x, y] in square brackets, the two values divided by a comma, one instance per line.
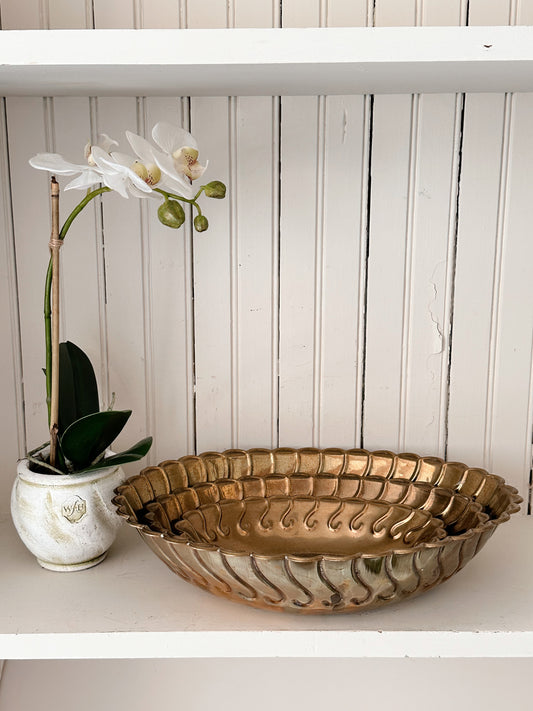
[78, 391]
[85, 440]
[132, 454]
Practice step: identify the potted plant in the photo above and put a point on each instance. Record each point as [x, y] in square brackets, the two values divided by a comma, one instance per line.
[61, 498]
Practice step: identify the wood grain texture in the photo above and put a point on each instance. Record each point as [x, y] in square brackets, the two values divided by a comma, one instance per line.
[415, 164]
[236, 261]
[489, 415]
[13, 431]
[322, 253]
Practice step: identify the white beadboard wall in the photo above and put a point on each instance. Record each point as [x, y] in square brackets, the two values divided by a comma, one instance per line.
[366, 283]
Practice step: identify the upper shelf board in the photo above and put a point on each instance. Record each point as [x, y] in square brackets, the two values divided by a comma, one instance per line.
[265, 62]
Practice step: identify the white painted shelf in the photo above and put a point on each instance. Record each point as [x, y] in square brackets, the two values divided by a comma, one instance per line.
[132, 606]
[266, 61]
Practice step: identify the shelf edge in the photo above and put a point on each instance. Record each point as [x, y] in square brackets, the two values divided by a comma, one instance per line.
[268, 644]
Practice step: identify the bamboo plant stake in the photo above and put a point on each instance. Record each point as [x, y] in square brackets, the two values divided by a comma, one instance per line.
[54, 244]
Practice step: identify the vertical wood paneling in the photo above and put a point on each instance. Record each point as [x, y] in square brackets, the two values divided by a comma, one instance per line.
[125, 304]
[397, 13]
[298, 269]
[510, 428]
[68, 123]
[168, 298]
[34, 127]
[490, 12]
[490, 414]
[128, 307]
[257, 269]
[301, 232]
[476, 251]
[13, 430]
[214, 265]
[256, 182]
[27, 135]
[302, 13]
[163, 14]
[67, 14]
[80, 320]
[12, 433]
[343, 264]
[386, 263]
[170, 322]
[119, 14]
[28, 15]
[491, 389]
[322, 252]
[235, 262]
[411, 257]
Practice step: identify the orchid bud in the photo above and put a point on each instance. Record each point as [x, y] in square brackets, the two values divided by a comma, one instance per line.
[215, 189]
[171, 214]
[200, 223]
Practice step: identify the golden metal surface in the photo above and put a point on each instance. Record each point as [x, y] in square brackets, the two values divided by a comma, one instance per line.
[307, 525]
[457, 512]
[189, 511]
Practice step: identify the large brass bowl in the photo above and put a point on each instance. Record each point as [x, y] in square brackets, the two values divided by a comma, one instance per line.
[322, 582]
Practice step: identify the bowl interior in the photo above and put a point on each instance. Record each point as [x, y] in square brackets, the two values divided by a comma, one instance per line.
[457, 512]
[301, 525]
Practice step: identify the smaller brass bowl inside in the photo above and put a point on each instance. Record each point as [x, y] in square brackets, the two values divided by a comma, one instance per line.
[304, 525]
[457, 512]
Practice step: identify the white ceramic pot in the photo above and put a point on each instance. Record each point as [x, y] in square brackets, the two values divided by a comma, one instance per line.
[67, 522]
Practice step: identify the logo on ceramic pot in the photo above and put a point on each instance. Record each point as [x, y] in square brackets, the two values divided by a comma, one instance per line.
[74, 509]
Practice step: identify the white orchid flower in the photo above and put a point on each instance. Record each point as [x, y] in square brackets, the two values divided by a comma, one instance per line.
[55, 163]
[150, 163]
[119, 177]
[179, 156]
[89, 174]
[104, 142]
[149, 174]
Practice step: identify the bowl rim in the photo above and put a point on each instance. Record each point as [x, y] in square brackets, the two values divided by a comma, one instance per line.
[487, 527]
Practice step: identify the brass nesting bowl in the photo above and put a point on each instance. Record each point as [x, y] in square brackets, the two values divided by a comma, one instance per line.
[315, 530]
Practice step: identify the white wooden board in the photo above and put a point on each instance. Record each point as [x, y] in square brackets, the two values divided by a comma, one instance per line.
[270, 62]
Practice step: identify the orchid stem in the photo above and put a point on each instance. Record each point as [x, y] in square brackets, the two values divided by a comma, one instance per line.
[55, 244]
[48, 296]
[191, 201]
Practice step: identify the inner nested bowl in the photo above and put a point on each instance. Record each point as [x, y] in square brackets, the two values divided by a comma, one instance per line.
[306, 525]
[457, 512]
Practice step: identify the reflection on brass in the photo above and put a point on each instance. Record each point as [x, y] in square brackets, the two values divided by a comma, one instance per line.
[308, 525]
[458, 513]
[314, 530]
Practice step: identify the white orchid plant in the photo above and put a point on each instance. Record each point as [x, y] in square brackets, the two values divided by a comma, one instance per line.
[81, 434]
